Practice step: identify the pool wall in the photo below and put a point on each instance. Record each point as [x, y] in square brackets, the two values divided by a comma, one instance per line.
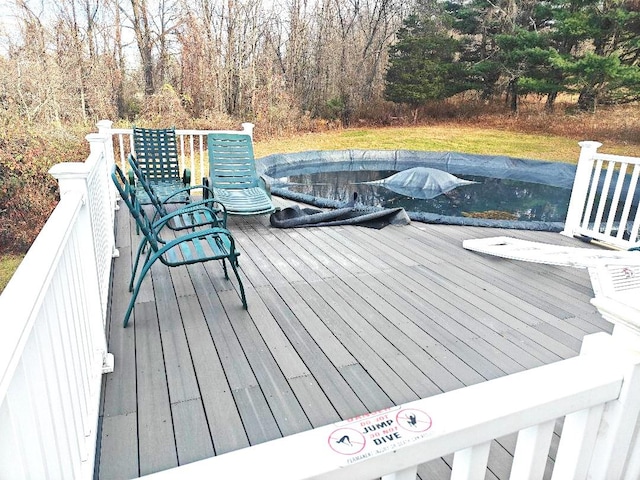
[557, 174]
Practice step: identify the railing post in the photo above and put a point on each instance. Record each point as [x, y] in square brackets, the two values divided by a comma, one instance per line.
[588, 150]
[104, 129]
[76, 176]
[617, 450]
[248, 128]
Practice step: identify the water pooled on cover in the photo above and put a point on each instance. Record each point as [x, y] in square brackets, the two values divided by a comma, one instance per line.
[421, 182]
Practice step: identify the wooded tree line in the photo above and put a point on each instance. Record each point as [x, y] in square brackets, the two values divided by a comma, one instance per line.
[589, 48]
[80, 60]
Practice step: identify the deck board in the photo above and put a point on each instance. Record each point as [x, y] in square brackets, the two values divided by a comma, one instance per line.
[341, 321]
[221, 412]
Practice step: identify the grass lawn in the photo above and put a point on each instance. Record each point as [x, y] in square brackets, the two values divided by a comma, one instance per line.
[8, 265]
[453, 138]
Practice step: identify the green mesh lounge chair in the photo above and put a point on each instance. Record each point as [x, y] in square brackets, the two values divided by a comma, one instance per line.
[193, 247]
[156, 153]
[233, 177]
[191, 217]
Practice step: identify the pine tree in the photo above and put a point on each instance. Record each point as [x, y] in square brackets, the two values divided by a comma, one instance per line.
[422, 64]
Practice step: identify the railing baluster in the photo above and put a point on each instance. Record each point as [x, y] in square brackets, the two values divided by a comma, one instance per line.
[9, 448]
[406, 474]
[43, 407]
[633, 184]
[532, 450]
[201, 148]
[613, 207]
[471, 463]
[604, 195]
[66, 440]
[183, 162]
[26, 435]
[577, 442]
[193, 161]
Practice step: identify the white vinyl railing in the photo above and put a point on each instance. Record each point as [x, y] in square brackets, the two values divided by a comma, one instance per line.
[605, 198]
[597, 393]
[192, 146]
[52, 338]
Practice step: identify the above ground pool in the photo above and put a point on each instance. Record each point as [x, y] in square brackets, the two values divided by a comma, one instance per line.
[433, 187]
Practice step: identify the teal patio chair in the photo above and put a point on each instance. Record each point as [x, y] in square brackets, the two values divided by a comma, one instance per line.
[192, 217]
[156, 153]
[194, 247]
[233, 177]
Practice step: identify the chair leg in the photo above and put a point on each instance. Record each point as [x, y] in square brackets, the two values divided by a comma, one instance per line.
[134, 295]
[242, 296]
[137, 261]
[129, 309]
[224, 268]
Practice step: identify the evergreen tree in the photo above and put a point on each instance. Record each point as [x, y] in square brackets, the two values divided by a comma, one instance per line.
[422, 64]
[599, 47]
[518, 47]
[528, 63]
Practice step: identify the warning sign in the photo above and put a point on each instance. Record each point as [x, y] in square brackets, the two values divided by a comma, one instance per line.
[364, 436]
[413, 420]
[347, 441]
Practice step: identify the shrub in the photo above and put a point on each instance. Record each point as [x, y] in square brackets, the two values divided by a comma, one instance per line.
[28, 193]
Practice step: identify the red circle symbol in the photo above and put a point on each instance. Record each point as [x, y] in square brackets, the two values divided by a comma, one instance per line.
[414, 420]
[347, 441]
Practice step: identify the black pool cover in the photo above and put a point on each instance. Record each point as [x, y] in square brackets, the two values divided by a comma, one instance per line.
[278, 166]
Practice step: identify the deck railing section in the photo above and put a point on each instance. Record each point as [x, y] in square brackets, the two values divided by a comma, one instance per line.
[596, 393]
[52, 339]
[192, 146]
[605, 198]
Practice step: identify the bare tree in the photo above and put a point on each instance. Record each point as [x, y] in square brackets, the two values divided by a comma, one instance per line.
[144, 39]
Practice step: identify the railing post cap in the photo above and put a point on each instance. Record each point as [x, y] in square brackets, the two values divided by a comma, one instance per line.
[68, 170]
[590, 144]
[104, 124]
[95, 137]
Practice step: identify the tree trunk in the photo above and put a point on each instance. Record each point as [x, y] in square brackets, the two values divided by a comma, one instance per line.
[142, 32]
[119, 62]
[512, 94]
[587, 100]
[551, 99]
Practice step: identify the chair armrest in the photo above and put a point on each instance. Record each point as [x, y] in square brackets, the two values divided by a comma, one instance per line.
[266, 186]
[162, 221]
[209, 204]
[200, 234]
[206, 192]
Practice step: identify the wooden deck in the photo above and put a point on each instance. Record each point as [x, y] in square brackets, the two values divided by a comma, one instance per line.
[341, 321]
